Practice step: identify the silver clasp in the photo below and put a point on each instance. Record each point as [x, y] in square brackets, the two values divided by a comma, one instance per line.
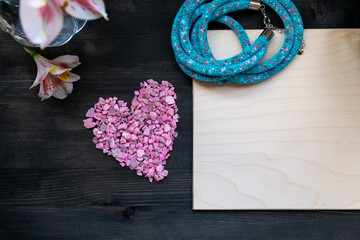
[254, 5]
[267, 21]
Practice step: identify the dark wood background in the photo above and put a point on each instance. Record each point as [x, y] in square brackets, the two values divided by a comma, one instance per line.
[54, 184]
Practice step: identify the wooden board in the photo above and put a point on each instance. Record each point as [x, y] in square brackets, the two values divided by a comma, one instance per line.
[290, 142]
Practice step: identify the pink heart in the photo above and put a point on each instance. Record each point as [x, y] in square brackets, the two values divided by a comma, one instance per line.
[140, 137]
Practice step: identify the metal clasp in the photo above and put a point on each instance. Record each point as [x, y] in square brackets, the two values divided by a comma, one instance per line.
[267, 21]
[268, 33]
[254, 5]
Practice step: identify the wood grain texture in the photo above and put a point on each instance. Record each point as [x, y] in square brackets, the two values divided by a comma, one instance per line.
[55, 185]
[291, 142]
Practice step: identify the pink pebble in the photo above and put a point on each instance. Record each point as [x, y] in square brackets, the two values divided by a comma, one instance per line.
[90, 112]
[127, 135]
[133, 163]
[171, 112]
[164, 118]
[170, 100]
[106, 107]
[133, 137]
[122, 126]
[168, 142]
[165, 173]
[97, 116]
[88, 123]
[112, 143]
[147, 131]
[153, 115]
[167, 128]
[140, 152]
[110, 128]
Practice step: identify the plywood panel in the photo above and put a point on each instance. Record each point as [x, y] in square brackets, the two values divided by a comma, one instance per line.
[290, 142]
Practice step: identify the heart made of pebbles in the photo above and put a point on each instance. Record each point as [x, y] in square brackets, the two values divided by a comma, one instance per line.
[140, 137]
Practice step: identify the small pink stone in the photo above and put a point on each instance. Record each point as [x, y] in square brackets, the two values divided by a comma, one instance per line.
[123, 109]
[127, 135]
[97, 133]
[171, 112]
[168, 142]
[110, 128]
[140, 153]
[122, 126]
[133, 163]
[116, 153]
[146, 94]
[112, 143]
[106, 107]
[165, 173]
[164, 118]
[159, 168]
[153, 115]
[97, 116]
[131, 129]
[113, 119]
[133, 137]
[88, 123]
[147, 131]
[90, 112]
[167, 128]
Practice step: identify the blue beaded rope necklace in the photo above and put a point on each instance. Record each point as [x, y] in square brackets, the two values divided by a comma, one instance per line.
[193, 55]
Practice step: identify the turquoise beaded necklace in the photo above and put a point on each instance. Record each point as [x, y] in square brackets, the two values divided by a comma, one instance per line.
[193, 54]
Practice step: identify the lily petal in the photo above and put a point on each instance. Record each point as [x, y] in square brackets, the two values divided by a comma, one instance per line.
[67, 61]
[46, 88]
[35, 3]
[41, 74]
[53, 22]
[31, 22]
[86, 9]
[62, 89]
[68, 77]
[46, 63]
[41, 24]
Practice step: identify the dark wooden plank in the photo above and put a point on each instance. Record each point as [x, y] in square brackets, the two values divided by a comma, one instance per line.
[172, 222]
[83, 187]
[55, 185]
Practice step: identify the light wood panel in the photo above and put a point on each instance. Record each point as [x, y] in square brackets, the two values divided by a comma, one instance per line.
[290, 142]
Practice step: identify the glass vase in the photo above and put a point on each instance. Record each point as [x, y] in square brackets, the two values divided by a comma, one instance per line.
[10, 23]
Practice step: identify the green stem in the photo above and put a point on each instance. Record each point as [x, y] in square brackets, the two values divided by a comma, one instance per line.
[30, 52]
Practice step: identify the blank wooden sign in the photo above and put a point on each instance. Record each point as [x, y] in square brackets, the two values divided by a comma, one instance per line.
[290, 142]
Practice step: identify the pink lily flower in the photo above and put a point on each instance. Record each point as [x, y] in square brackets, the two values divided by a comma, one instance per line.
[41, 20]
[54, 76]
[85, 9]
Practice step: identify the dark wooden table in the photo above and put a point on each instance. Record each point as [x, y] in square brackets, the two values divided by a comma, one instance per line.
[54, 184]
